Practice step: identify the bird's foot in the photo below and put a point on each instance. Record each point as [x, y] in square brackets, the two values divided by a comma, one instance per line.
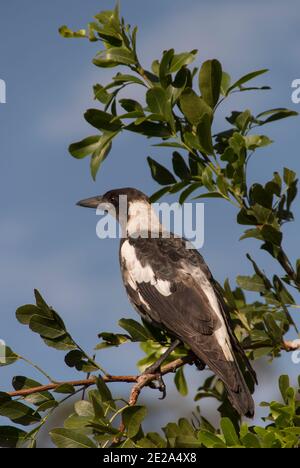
[200, 364]
[197, 362]
[158, 383]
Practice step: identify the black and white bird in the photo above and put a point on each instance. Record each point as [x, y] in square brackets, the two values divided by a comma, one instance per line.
[172, 287]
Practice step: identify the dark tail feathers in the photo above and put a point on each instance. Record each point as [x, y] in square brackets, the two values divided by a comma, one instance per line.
[238, 391]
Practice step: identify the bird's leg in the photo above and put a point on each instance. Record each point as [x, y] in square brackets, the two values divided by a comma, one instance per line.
[155, 368]
[157, 364]
[199, 364]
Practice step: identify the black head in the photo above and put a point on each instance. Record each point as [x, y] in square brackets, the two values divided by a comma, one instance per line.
[114, 197]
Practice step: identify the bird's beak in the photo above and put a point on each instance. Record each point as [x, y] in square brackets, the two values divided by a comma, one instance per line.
[92, 202]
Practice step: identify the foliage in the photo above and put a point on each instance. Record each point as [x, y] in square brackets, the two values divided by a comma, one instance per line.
[178, 110]
[95, 421]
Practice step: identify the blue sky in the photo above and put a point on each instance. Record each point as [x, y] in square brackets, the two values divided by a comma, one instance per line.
[45, 240]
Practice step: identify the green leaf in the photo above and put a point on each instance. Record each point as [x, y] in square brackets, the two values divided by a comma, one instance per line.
[210, 440]
[65, 389]
[77, 359]
[186, 193]
[97, 405]
[245, 79]
[47, 405]
[100, 150]
[85, 409]
[11, 437]
[111, 339]
[284, 385]
[26, 312]
[241, 119]
[133, 417]
[65, 32]
[145, 443]
[7, 356]
[104, 428]
[159, 103]
[271, 234]
[170, 144]
[257, 141]
[135, 329]
[159, 194]
[20, 382]
[149, 129]
[99, 156]
[251, 441]
[180, 167]
[130, 105]
[193, 106]
[68, 438]
[210, 78]
[19, 413]
[45, 327]
[229, 432]
[102, 95]
[262, 215]
[275, 114]
[164, 68]
[245, 217]
[204, 134]
[160, 174]
[289, 176]
[62, 343]
[272, 328]
[104, 391]
[83, 148]
[102, 120]
[180, 382]
[258, 194]
[225, 83]
[251, 283]
[180, 60]
[157, 440]
[185, 441]
[79, 423]
[114, 56]
[121, 78]
[157, 100]
[283, 293]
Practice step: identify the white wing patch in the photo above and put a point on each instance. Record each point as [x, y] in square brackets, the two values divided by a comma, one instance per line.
[221, 333]
[141, 274]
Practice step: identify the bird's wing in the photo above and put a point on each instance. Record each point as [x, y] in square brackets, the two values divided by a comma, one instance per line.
[171, 286]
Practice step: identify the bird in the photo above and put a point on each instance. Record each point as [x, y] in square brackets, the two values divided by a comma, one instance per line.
[173, 289]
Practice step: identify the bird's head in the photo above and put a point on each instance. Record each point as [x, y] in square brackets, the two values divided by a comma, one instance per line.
[114, 198]
[129, 205]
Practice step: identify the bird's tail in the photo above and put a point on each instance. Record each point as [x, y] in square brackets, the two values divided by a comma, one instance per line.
[238, 391]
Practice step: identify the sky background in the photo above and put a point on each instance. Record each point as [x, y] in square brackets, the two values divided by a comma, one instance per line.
[46, 242]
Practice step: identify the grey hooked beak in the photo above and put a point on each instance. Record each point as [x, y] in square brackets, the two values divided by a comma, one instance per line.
[92, 202]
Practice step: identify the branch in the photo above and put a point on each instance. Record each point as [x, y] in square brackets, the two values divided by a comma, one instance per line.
[291, 345]
[287, 346]
[140, 381]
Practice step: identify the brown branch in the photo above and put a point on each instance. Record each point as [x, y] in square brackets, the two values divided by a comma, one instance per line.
[140, 381]
[291, 345]
[287, 346]
[145, 379]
